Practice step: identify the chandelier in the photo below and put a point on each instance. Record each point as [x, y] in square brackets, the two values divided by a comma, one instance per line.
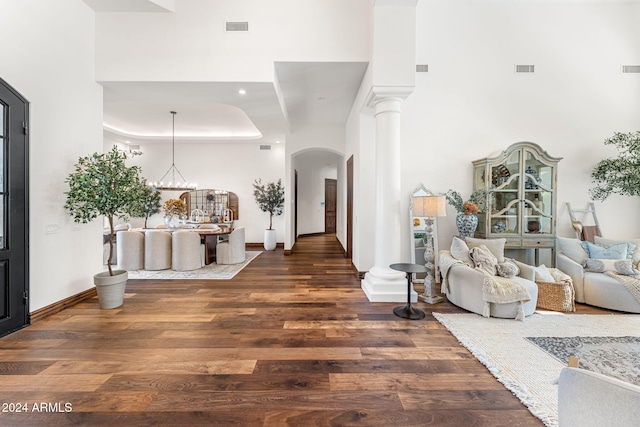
[180, 184]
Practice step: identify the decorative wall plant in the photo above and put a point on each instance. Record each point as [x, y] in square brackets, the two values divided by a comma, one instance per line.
[618, 175]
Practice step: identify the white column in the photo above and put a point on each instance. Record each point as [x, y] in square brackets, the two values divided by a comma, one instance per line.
[382, 284]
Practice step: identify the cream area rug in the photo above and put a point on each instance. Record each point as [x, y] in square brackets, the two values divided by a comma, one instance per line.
[511, 351]
[212, 271]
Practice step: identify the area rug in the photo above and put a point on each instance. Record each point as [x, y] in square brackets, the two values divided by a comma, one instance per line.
[212, 271]
[506, 347]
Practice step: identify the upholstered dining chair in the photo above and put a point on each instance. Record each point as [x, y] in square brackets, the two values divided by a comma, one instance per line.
[232, 251]
[130, 250]
[186, 251]
[157, 250]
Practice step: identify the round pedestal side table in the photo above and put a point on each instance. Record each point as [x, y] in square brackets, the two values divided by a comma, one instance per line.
[406, 311]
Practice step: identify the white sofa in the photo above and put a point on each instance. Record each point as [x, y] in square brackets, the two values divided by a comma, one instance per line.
[590, 399]
[591, 288]
[464, 283]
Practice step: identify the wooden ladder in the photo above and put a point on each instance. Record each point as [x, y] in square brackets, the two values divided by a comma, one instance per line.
[584, 232]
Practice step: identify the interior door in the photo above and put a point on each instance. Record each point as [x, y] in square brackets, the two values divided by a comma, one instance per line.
[330, 197]
[14, 116]
[349, 251]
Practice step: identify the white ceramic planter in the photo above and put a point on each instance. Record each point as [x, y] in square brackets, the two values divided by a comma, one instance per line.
[111, 288]
[269, 240]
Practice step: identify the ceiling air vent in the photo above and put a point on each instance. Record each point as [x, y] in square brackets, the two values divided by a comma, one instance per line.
[134, 147]
[265, 147]
[525, 68]
[236, 26]
[422, 68]
[631, 68]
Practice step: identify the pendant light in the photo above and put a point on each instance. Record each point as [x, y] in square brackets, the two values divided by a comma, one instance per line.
[173, 185]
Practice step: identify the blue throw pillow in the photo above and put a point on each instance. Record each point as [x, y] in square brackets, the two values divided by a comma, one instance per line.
[619, 251]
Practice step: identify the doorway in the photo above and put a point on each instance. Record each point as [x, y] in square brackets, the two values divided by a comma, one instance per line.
[14, 280]
[330, 198]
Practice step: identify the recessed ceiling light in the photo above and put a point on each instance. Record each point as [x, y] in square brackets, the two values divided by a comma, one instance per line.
[242, 91]
[277, 142]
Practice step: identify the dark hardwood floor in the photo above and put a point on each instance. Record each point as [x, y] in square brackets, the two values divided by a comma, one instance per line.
[291, 340]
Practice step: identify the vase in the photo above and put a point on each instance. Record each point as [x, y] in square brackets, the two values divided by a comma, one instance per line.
[172, 221]
[111, 288]
[270, 239]
[466, 224]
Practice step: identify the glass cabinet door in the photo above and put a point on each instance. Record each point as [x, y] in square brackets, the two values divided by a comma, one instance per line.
[504, 198]
[538, 195]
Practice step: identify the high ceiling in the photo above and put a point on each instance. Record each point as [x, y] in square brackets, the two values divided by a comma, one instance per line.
[309, 93]
[301, 93]
[305, 93]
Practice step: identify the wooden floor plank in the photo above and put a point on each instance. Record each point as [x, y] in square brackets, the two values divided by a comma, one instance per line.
[290, 340]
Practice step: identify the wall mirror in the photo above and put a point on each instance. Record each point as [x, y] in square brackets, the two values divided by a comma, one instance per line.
[211, 205]
[424, 208]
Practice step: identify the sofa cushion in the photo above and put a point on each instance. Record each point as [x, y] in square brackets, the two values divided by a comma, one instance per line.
[460, 251]
[496, 246]
[573, 249]
[622, 266]
[617, 251]
[483, 259]
[507, 269]
[608, 242]
[542, 274]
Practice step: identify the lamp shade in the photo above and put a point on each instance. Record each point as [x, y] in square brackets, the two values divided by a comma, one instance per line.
[429, 206]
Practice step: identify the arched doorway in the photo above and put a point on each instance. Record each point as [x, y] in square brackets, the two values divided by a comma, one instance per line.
[14, 260]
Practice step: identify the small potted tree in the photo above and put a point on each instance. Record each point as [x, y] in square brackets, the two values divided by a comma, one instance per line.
[103, 185]
[152, 204]
[270, 198]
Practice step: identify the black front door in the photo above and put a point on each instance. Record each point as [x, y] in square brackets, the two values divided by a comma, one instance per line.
[14, 278]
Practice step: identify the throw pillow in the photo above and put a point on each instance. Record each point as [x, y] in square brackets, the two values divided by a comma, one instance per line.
[542, 274]
[460, 251]
[619, 251]
[507, 269]
[573, 249]
[483, 259]
[622, 266]
[496, 246]
[635, 255]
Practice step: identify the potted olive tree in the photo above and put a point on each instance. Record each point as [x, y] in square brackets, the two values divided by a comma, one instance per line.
[103, 185]
[152, 204]
[270, 198]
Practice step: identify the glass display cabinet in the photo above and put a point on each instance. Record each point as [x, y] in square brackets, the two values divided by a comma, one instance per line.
[521, 197]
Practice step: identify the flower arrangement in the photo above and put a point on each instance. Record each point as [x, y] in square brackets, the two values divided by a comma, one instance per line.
[175, 207]
[476, 202]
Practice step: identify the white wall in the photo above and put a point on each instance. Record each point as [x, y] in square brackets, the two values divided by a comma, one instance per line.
[191, 44]
[231, 166]
[471, 103]
[48, 57]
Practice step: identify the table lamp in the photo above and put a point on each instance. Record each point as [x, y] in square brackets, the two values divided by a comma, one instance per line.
[429, 207]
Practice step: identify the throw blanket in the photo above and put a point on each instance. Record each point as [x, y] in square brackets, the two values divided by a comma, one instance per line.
[631, 283]
[495, 289]
[501, 290]
[445, 262]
